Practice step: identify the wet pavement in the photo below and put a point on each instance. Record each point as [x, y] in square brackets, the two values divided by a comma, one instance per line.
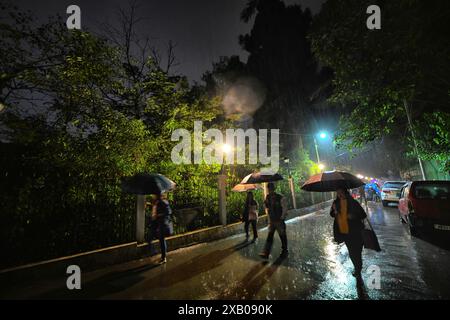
[316, 268]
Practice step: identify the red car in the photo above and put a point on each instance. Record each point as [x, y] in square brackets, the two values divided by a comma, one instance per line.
[425, 206]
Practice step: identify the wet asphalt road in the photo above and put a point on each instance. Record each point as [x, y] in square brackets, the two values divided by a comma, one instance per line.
[316, 268]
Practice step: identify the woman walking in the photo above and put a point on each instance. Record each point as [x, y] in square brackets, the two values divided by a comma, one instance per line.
[348, 225]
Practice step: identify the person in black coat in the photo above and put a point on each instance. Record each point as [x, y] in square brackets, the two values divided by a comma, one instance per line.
[250, 215]
[161, 223]
[348, 225]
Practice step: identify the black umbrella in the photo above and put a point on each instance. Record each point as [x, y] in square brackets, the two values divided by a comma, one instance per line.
[258, 177]
[331, 181]
[147, 183]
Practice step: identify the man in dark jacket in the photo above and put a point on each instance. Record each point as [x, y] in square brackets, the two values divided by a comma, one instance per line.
[161, 224]
[277, 210]
[348, 226]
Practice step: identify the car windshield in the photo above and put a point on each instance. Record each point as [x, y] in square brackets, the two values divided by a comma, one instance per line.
[397, 185]
[432, 191]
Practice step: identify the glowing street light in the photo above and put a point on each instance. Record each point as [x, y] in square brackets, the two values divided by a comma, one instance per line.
[226, 148]
[360, 176]
[321, 166]
[322, 135]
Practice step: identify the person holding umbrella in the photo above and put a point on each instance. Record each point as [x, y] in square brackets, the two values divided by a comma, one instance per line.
[277, 209]
[161, 221]
[250, 215]
[160, 225]
[348, 214]
[348, 226]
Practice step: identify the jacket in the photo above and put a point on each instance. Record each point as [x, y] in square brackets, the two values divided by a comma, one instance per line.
[355, 216]
[162, 221]
[276, 206]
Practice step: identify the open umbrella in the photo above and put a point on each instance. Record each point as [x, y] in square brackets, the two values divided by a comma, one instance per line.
[147, 183]
[258, 177]
[331, 181]
[245, 187]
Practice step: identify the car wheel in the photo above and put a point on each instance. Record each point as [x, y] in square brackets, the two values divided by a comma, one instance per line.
[385, 203]
[412, 228]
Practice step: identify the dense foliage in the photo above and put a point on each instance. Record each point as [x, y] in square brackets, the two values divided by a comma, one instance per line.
[379, 74]
[79, 112]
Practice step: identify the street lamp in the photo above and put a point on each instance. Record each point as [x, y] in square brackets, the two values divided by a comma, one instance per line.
[322, 135]
[321, 166]
[286, 160]
[226, 148]
[317, 150]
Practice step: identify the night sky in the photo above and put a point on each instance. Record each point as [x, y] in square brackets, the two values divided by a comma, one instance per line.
[203, 30]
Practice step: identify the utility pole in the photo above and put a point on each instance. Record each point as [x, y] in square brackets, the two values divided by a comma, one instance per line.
[317, 150]
[291, 184]
[300, 142]
[414, 139]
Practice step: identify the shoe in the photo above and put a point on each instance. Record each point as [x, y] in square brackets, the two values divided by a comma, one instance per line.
[264, 255]
[255, 239]
[162, 261]
[284, 253]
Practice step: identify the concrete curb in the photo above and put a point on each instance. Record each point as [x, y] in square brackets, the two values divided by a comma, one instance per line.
[92, 260]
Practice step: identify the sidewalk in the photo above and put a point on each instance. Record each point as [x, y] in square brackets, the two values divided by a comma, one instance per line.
[36, 275]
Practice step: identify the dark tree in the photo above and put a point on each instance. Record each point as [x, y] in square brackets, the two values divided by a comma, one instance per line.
[280, 56]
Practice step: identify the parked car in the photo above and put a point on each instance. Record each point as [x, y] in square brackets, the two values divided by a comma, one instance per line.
[390, 192]
[425, 206]
[355, 193]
